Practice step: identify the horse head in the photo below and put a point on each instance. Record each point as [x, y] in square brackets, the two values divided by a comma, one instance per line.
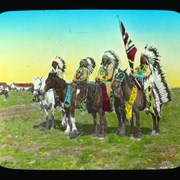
[50, 82]
[36, 86]
[118, 81]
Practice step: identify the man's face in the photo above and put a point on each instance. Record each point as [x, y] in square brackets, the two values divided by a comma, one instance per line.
[104, 62]
[81, 64]
[143, 60]
[54, 65]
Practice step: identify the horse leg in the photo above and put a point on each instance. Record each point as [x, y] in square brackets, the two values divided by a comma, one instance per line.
[139, 136]
[68, 127]
[4, 97]
[105, 123]
[158, 125]
[96, 129]
[63, 122]
[154, 124]
[52, 119]
[73, 123]
[123, 121]
[46, 120]
[74, 132]
[132, 128]
[120, 113]
[102, 125]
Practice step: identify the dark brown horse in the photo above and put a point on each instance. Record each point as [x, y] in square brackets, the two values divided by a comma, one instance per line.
[5, 93]
[122, 87]
[92, 92]
[67, 94]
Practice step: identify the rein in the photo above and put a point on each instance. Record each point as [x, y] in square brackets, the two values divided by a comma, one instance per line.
[123, 76]
[85, 97]
[120, 81]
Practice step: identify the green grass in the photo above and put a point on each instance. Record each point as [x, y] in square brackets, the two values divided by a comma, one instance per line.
[24, 147]
[16, 98]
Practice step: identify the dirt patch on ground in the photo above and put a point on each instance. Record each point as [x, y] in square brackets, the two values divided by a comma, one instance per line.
[17, 110]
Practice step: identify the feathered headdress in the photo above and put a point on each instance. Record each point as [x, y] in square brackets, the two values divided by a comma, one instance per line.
[90, 64]
[61, 63]
[152, 57]
[112, 58]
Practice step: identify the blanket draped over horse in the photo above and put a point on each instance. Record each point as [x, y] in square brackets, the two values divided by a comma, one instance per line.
[106, 102]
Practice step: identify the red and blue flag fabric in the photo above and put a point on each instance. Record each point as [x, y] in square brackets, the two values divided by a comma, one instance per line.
[129, 46]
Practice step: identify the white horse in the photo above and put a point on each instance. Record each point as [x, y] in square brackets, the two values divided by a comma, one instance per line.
[36, 88]
[47, 102]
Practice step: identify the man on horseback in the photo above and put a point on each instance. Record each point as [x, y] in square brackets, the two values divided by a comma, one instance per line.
[86, 66]
[58, 67]
[105, 76]
[142, 73]
[82, 73]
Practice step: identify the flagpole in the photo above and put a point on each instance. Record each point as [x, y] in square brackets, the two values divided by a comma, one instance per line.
[130, 49]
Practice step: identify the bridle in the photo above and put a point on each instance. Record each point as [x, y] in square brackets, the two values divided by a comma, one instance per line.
[37, 90]
[120, 81]
[85, 88]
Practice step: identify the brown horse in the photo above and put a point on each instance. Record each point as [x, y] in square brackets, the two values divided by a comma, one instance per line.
[67, 95]
[92, 92]
[122, 88]
[5, 93]
[119, 107]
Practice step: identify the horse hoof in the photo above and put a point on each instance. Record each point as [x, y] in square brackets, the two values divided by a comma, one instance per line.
[116, 131]
[153, 132]
[66, 132]
[132, 137]
[43, 129]
[101, 136]
[73, 135]
[94, 135]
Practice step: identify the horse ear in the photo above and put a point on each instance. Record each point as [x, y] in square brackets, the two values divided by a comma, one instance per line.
[125, 70]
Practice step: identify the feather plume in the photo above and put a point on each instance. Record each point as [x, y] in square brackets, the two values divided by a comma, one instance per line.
[159, 82]
[61, 63]
[90, 64]
[114, 59]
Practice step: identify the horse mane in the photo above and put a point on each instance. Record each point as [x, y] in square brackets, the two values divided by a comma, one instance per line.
[60, 80]
[128, 77]
[91, 90]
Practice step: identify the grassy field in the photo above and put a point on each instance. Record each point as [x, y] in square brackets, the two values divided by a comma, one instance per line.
[24, 146]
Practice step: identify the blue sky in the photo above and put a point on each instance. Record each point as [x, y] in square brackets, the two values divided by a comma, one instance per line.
[31, 39]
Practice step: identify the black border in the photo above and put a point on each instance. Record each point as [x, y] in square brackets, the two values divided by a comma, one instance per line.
[16, 5]
[9, 5]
